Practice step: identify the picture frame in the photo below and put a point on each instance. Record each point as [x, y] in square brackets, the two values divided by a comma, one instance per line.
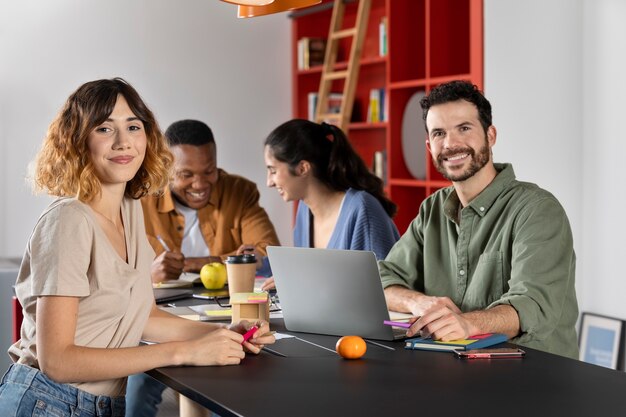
[601, 340]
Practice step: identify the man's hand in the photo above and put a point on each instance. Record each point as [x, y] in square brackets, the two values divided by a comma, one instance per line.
[243, 249]
[196, 264]
[421, 304]
[168, 265]
[441, 322]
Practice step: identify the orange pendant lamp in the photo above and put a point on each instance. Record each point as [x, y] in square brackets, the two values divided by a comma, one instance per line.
[249, 2]
[276, 6]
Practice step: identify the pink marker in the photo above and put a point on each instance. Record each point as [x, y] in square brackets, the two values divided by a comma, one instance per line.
[397, 324]
[247, 335]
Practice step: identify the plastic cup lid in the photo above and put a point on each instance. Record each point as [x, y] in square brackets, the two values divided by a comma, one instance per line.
[247, 258]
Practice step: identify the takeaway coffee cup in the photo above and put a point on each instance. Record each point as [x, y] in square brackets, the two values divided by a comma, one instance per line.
[241, 271]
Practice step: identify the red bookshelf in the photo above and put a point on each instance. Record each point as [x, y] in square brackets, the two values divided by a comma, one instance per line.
[428, 42]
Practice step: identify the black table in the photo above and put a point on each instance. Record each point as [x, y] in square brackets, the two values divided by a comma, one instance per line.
[312, 381]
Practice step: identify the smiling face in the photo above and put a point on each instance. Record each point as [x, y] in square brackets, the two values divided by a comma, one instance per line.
[459, 145]
[195, 174]
[289, 186]
[117, 146]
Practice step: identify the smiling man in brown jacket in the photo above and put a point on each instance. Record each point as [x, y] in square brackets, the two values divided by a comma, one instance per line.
[205, 214]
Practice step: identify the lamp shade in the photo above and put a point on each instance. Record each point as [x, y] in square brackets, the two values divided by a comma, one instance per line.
[249, 2]
[276, 7]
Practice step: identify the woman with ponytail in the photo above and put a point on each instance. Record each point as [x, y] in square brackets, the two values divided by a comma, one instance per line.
[342, 205]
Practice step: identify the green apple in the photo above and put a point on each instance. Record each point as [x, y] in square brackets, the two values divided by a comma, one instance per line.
[213, 275]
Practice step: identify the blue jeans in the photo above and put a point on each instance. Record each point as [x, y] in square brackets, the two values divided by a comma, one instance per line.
[27, 392]
[143, 396]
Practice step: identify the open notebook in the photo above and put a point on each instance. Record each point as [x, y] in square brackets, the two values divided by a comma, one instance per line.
[334, 292]
[202, 312]
[186, 279]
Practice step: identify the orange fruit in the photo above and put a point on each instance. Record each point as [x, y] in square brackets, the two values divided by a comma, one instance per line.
[351, 347]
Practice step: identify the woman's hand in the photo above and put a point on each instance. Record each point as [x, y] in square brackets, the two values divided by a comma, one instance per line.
[260, 338]
[218, 347]
[268, 284]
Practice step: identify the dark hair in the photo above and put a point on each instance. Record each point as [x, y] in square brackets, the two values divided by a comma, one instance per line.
[63, 165]
[458, 90]
[327, 149]
[189, 132]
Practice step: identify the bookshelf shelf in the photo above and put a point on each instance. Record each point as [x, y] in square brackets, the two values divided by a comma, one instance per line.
[367, 125]
[379, 60]
[428, 42]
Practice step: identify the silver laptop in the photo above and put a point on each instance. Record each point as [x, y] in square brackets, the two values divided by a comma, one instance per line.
[333, 292]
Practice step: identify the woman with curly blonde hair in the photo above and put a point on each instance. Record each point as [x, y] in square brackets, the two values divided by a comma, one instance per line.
[84, 283]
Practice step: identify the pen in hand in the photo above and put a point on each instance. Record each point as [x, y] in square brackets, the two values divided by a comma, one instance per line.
[162, 242]
[167, 248]
[247, 335]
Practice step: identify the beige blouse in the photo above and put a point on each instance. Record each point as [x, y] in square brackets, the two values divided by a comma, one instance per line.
[69, 254]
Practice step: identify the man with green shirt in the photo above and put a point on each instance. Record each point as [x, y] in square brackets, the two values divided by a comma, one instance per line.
[490, 253]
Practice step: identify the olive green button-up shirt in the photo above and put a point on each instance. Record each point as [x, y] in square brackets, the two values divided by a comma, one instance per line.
[511, 245]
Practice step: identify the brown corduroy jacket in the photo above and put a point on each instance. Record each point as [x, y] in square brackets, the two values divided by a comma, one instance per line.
[233, 217]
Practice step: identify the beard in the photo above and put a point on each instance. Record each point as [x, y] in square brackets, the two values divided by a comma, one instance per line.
[477, 161]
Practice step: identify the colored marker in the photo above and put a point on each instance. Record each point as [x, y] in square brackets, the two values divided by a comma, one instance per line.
[397, 324]
[247, 335]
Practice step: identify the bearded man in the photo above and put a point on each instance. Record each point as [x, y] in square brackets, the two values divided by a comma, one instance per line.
[489, 254]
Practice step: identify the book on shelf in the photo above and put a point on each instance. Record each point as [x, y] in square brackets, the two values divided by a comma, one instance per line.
[376, 111]
[380, 165]
[472, 342]
[382, 36]
[334, 104]
[311, 52]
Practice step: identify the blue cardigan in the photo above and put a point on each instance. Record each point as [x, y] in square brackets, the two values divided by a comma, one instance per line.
[362, 224]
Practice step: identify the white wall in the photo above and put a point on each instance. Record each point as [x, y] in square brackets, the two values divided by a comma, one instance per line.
[604, 144]
[188, 59]
[533, 78]
[553, 72]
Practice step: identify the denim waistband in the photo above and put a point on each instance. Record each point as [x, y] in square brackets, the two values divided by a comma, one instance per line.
[96, 404]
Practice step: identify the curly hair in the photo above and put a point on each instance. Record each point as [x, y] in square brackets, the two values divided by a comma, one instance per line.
[335, 162]
[458, 90]
[63, 166]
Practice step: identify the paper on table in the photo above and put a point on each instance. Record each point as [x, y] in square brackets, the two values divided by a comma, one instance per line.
[397, 316]
[213, 311]
[279, 336]
[203, 312]
[186, 279]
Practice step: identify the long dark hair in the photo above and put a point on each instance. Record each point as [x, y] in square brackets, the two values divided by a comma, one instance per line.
[327, 149]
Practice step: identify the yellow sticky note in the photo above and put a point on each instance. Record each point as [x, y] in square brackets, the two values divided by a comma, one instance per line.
[213, 313]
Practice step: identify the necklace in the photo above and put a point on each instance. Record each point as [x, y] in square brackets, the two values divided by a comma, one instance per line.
[119, 227]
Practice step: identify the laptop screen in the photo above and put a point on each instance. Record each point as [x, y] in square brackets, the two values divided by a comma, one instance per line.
[329, 291]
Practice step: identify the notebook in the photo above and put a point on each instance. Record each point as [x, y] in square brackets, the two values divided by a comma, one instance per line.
[186, 279]
[164, 295]
[330, 291]
[203, 312]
